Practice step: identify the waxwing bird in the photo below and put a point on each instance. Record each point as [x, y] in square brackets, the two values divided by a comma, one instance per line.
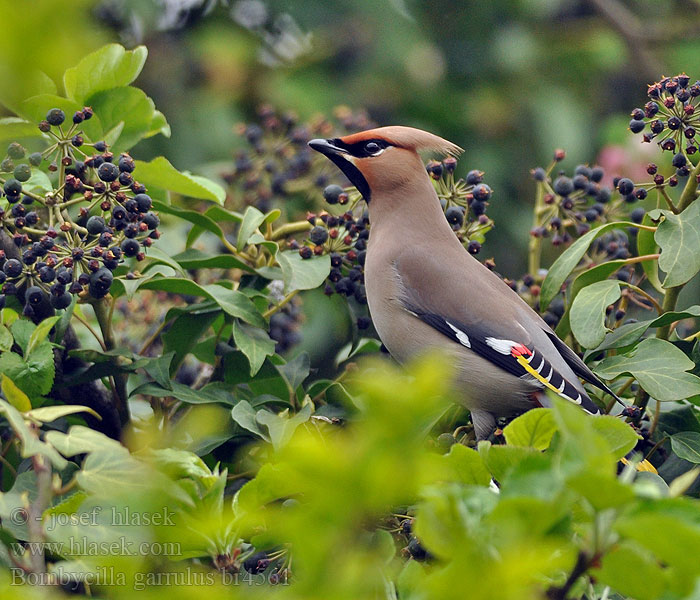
[426, 291]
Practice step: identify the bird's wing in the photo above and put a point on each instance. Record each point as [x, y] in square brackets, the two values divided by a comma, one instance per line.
[469, 317]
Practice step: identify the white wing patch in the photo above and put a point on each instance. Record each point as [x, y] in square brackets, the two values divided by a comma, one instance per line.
[501, 346]
[460, 335]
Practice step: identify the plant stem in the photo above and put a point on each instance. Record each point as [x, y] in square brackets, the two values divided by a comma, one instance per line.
[268, 313]
[102, 312]
[289, 229]
[581, 566]
[36, 510]
[690, 189]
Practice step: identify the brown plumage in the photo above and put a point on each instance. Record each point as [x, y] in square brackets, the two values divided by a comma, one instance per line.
[426, 291]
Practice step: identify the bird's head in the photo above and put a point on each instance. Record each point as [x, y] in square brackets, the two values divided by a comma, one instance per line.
[383, 159]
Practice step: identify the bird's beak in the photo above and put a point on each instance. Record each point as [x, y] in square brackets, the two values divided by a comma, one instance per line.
[326, 147]
[344, 161]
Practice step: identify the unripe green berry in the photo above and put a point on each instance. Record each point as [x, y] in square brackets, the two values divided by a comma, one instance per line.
[22, 172]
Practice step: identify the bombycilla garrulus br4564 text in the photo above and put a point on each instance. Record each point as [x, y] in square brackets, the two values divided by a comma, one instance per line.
[425, 291]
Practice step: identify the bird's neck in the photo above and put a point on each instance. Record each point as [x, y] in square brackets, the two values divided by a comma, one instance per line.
[414, 210]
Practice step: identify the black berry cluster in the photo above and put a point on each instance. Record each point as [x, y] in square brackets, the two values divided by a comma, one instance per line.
[68, 241]
[278, 162]
[465, 201]
[671, 118]
[571, 204]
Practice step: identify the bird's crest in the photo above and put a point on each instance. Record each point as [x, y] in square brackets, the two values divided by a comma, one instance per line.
[406, 137]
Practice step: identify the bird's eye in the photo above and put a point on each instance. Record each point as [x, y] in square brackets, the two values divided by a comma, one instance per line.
[373, 149]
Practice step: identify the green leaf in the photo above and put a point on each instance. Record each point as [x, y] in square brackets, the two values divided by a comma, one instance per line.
[129, 109]
[659, 367]
[629, 333]
[36, 107]
[281, 426]
[252, 219]
[41, 332]
[34, 373]
[303, 274]
[109, 67]
[592, 275]
[686, 445]
[500, 460]
[196, 259]
[588, 311]
[679, 239]
[602, 491]
[161, 174]
[48, 414]
[620, 437]
[14, 395]
[467, 465]
[159, 369]
[209, 394]
[244, 414]
[615, 571]
[185, 332]
[216, 213]
[233, 302]
[31, 444]
[534, 429]
[255, 343]
[295, 371]
[6, 339]
[38, 183]
[22, 330]
[562, 267]
[646, 245]
[82, 440]
[14, 128]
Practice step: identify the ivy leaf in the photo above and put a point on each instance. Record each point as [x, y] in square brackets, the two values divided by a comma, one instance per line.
[14, 395]
[255, 343]
[109, 67]
[588, 312]
[467, 465]
[161, 174]
[621, 438]
[13, 128]
[133, 108]
[82, 440]
[34, 373]
[244, 414]
[48, 414]
[6, 339]
[31, 444]
[252, 219]
[295, 371]
[562, 267]
[659, 366]
[209, 394]
[196, 259]
[35, 109]
[159, 369]
[686, 445]
[281, 426]
[679, 239]
[233, 302]
[184, 333]
[41, 332]
[629, 333]
[588, 277]
[303, 274]
[534, 429]
[614, 571]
